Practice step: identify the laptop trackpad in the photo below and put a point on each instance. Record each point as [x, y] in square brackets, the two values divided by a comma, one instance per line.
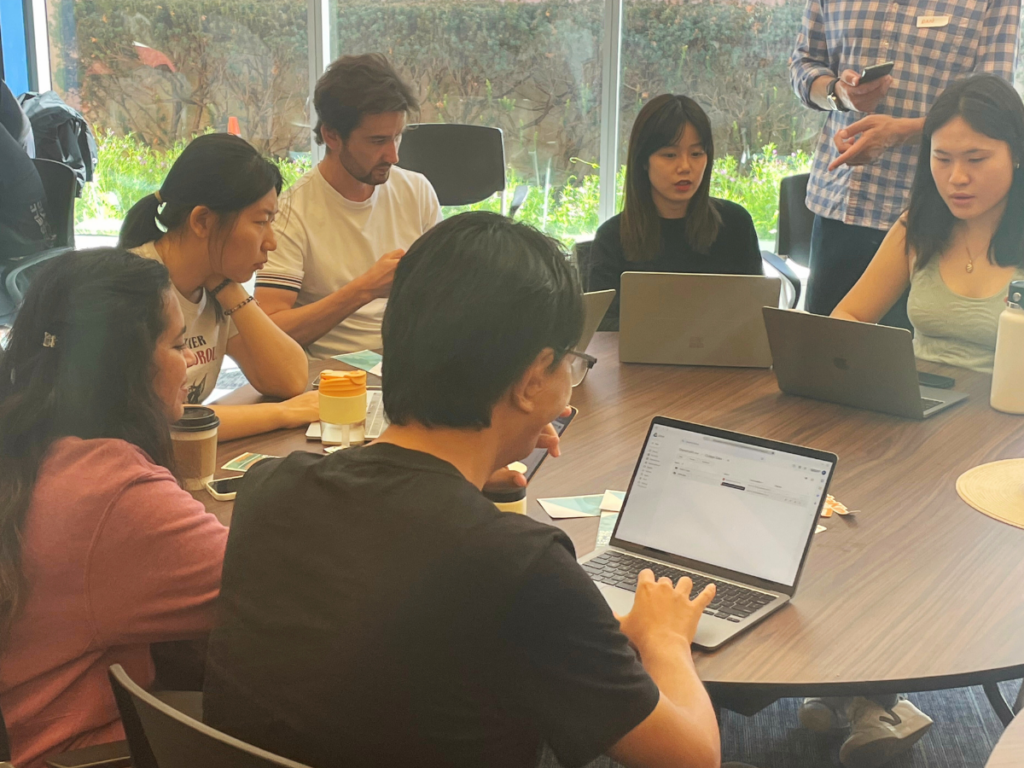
[620, 600]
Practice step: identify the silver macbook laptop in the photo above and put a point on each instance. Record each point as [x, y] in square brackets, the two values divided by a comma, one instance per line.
[720, 507]
[689, 319]
[595, 305]
[860, 364]
[376, 420]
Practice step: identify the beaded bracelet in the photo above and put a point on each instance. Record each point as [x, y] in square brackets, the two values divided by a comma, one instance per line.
[229, 312]
[220, 287]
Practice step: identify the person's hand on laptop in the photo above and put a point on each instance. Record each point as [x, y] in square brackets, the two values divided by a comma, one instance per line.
[664, 614]
[508, 478]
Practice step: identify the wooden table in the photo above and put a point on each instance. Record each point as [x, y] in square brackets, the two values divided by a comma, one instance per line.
[1009, 751]
[917, 591]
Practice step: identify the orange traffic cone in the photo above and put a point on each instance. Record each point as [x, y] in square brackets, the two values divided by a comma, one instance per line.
[233, 127]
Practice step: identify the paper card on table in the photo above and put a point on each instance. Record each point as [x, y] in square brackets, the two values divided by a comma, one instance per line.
[366, 360]
[820, 528]
[377, 370]
[573, 506]
[604, 533]
[246, 460]
[612, 501]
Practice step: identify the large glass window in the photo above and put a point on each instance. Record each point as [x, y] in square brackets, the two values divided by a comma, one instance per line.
[531, 68]
[151, 74]
[731, 58]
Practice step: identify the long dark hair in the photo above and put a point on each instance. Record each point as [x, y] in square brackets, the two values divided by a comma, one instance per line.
[992, 107]
[79, 363]
[660, 124]
[225, 173]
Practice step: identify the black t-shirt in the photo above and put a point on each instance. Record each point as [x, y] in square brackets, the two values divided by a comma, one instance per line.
[736, 251]
[377, 610]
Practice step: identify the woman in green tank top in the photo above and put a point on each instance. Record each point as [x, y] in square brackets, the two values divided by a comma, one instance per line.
[962, 240]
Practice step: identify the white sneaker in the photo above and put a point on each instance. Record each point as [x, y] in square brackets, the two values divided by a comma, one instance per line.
[822, 714]
[881, 734]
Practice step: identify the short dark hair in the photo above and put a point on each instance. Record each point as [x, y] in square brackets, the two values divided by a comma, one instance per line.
[354, 86]
[474, 301]
[992, 107]
[660, 124]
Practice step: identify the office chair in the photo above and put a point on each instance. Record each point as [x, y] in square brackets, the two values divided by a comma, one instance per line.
[60, 185]
[159, 736]
[793, 238]
[464, 163]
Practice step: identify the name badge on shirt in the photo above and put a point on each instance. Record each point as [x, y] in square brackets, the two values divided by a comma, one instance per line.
[931, 22]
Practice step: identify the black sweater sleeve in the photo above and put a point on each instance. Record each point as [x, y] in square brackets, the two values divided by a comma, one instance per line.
[739, 237]
[607, 263]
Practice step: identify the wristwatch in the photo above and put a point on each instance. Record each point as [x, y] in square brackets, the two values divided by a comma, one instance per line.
[833, 98]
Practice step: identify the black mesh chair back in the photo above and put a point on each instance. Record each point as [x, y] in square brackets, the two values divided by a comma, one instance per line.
[582, 251]
[464, 163]
[60, 184]
[795, 220]
[169, 739]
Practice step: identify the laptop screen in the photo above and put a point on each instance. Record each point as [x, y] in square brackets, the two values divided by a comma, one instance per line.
[720, 501]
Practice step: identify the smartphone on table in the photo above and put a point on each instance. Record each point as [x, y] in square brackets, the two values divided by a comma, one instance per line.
[225, 488]
[876, 71]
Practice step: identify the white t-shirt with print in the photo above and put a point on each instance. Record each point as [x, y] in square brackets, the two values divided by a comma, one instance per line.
[205, 335]
[324, 241]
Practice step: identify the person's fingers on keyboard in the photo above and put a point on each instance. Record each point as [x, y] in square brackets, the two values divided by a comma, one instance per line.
[684, 586]
[645, 575]
[703, 600]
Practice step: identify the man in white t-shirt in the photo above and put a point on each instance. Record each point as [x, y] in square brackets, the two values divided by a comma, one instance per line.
[345, 224]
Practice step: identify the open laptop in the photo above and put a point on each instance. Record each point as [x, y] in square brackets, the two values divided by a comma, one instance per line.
[860, 364]
[690, 319]
[720, 507]
[595, 305]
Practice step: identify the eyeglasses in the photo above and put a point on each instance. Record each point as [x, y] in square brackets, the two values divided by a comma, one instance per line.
[579, 364]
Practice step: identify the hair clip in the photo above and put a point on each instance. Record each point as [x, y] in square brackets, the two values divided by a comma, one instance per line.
[156, 219]
[49, 340]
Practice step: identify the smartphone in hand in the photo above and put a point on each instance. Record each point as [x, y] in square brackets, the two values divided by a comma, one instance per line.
[875, 72]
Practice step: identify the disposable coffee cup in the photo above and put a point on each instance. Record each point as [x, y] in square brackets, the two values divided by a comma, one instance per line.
[510, 500]
[195, 446]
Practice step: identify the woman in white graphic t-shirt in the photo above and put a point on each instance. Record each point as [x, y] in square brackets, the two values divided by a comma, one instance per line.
[211, 225]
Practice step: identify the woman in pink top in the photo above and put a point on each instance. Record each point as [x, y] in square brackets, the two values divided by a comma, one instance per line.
[101, 552]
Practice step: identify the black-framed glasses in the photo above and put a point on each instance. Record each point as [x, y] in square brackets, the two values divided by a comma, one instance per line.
[580, 364]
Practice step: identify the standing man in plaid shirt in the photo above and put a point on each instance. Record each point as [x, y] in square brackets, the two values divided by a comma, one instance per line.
[867, 153]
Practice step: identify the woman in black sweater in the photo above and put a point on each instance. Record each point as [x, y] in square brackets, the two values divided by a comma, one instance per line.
[670, 223]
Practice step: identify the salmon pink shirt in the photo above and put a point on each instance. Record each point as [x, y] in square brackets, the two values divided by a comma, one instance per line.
[115, 556]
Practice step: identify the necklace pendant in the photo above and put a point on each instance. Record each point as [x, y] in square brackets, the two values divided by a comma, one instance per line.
[969, 267]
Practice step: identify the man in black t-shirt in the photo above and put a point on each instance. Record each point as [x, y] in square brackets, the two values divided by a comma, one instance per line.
[377, 610]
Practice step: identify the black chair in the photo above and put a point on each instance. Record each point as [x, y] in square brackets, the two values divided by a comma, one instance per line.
[160, 736]
[60, 185]
[793, 239]
[464, 163]
[581, 253]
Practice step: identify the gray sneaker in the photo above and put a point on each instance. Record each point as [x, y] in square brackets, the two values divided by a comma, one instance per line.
[821, 715]
[878, 734]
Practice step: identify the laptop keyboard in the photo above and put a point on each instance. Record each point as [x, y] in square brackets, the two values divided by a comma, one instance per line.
[732, 602]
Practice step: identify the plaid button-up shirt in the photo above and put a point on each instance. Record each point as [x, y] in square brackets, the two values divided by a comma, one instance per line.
[981, 36]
